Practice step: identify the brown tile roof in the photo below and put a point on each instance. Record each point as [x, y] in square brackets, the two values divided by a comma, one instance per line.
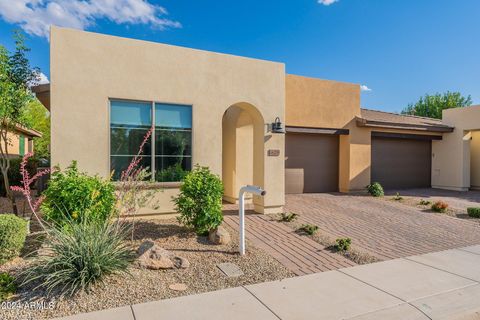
[375, 118]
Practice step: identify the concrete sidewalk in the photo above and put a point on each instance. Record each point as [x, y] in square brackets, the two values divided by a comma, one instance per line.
[441, 285]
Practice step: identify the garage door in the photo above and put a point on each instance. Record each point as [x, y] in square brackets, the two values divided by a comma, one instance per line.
[401, 163]
[312, 163]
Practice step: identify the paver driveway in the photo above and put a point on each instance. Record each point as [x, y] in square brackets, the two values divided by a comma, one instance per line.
[384, 229]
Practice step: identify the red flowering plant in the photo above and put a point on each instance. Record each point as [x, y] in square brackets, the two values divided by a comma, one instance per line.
[25, 188]
[132, 192]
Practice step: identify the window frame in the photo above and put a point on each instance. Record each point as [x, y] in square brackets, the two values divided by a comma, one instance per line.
[152, 137]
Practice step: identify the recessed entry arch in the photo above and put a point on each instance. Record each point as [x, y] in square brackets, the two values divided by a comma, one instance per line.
[243, 128]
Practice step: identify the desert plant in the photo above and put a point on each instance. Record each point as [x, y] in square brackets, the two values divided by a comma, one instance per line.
[75, 260]
[16, 76]
[288, 216]
[375, 189]
[398, 197]
[425, 202]
[343, 244]
[7, 286]
[26, 182]
[74, 195]
[309, 229]
[13, 231]
[200, 200]
[474, 212]
[440, 206]
[131, 194]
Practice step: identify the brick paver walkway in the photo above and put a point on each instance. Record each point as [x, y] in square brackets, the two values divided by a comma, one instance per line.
[300, 254]
[382, 228]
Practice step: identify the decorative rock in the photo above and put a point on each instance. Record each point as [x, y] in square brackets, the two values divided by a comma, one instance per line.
[219, 235]
[181, 262]
[178, 287]
[154, 257]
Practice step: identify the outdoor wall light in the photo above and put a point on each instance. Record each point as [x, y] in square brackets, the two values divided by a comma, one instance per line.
[277, 126]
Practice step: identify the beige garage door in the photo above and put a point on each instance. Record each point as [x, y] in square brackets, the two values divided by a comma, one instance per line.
[401, 163]
[312, 163]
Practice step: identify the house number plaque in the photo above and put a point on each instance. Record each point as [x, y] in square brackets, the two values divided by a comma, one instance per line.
[273, 153]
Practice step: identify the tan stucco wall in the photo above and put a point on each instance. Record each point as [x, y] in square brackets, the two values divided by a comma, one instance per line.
[14, 144]
[87, 69]
[475, 160]
[451, 156]
[320, 103]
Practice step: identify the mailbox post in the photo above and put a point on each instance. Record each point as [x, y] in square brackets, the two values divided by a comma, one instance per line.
[241, 210]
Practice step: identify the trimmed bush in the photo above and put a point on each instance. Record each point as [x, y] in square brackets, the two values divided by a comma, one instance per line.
[13, 231]
[440, 206]
[288, 216]
[76, 260]
[474, 212]
[425, 202]
[76, 196]
[309, 229]
[398, 197]
[200, 200]
[7, 286]
[343, 244]
[375, 189]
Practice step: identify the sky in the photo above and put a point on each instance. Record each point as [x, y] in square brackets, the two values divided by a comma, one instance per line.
[398, 50]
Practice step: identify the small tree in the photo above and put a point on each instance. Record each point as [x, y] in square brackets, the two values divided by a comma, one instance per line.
[431, 106]
[15, 77]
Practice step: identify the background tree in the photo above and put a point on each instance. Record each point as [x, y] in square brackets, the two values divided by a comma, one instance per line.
[432, 105]
[16, 76]
[37, 117]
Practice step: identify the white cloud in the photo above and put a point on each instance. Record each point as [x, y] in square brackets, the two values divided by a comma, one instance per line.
[327, 2]
[365, 88]
[43, 79]
[36, 16]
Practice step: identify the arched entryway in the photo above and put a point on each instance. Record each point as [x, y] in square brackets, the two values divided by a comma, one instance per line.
[242, 149]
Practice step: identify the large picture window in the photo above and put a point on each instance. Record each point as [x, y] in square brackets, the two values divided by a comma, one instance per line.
[168, 152]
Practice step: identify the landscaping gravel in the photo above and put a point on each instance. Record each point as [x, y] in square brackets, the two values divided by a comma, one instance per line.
[144, 285]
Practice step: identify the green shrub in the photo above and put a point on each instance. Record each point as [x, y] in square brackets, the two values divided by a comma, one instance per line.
[76, 196]
[398, 197]
[425, 202]
[13, 231]
[440, 206]
[75, 260]
[375, 189]
[288, 217]
[474, 212]
[309, 229]
[200, 200]
[7, 286]
[343, 244]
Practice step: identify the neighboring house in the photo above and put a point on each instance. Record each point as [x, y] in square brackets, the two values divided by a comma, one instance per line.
[220, 110]
[21, 141]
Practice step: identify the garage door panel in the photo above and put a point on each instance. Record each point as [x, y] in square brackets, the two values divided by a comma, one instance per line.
[401, 163]
[312, 163]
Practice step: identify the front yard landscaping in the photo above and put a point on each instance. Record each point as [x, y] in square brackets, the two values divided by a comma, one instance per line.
[89, 251]
[142, 285]
[436, 204]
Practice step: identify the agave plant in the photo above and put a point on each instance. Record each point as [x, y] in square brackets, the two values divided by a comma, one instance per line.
[75, 260]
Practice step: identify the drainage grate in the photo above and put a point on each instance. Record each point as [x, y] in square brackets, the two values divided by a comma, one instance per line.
[230, 269]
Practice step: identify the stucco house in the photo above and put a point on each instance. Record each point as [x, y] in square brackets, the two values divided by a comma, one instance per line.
[21, 141]
[224, 112]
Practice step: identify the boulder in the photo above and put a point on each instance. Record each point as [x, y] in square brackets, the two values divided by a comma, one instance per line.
[154, 257]
[219, 236]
